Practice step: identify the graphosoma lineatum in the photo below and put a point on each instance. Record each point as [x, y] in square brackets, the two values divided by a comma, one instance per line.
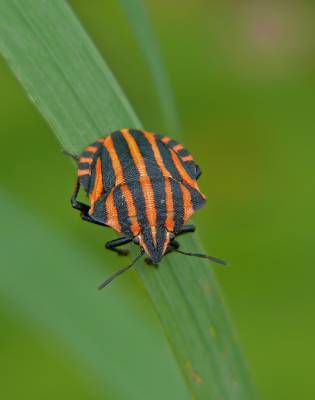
[144, 186]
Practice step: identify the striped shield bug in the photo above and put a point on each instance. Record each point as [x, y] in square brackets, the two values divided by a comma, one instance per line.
[144, 186]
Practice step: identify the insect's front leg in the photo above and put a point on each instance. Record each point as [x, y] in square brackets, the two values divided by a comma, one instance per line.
[77, 204]
[113, 244]
[173, 245]
[84, 208]
[88, 218]
[186, 229]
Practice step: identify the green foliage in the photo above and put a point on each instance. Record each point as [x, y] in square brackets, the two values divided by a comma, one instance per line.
[77, 94]
[58, 296]
[142, 27]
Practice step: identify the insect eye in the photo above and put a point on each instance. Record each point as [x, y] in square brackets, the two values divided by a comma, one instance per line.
[136, 240]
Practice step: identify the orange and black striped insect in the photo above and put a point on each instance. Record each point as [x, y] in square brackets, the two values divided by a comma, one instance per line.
[144, 186]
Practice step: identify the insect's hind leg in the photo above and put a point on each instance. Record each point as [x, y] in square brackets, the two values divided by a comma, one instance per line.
[113, 244]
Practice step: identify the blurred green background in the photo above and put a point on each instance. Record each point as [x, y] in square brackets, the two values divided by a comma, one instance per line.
[244, 82]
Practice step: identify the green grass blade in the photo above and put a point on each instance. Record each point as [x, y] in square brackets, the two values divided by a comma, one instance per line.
[94, 103]
[75, 91]
[60, 300]
[140, 22]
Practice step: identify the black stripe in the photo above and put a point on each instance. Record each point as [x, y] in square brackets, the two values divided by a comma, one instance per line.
[93, 175]
[99, 212]
[188, 166]
[197, 200]
[84, 165]
[160, 237]
[192, 169]
[108, 173]
[155, 174]
[183, 153]
[139, 202]
[148, 240]
[168, 161]
[87, 181]
[178, 205]
[122, 211]
[172, 143]
[85, 153]
[131, 176]
[130, 170]
[146, 151]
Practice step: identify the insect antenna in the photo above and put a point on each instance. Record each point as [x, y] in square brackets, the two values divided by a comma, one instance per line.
[214, 259]
[119, 272]
[75, 157]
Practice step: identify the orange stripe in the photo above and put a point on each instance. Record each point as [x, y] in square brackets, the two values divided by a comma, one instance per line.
[82, 172]
[187, 158]
[145, 180]
[169, 223]
[166, 139]
[86, 159]
[182, 171]
[109, 144]
[157, 155]
[188, 208]
[98, 188]
[132, 213]
[112, 215]
[178, 147]
[168, 190]
[142, 244]
[91, 149]
[120, 180]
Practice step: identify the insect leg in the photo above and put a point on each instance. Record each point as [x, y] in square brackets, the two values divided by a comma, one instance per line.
[77, 204]
[88, 218]
[174, 245]
[186, 229]
[84, 208]
[111, 245]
